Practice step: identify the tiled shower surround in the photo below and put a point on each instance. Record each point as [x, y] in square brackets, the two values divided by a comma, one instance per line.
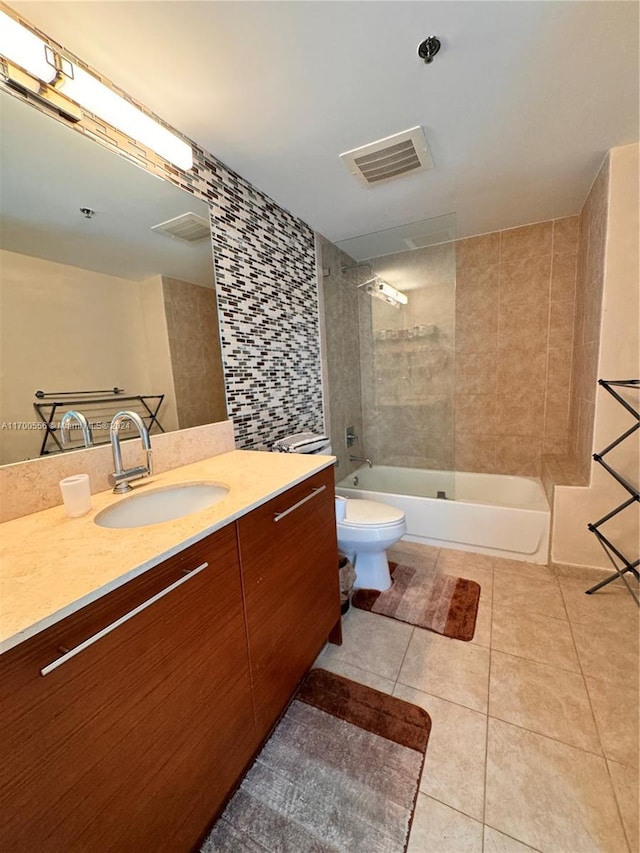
[475, 372]
[266, 283]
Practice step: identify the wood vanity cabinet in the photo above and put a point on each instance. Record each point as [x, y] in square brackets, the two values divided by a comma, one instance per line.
[291, 588]
[134, 743]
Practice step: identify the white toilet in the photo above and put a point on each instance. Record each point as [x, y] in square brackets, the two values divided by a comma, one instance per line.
[364, 535]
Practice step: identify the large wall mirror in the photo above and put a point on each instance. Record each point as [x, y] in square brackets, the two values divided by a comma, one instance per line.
[93, 295]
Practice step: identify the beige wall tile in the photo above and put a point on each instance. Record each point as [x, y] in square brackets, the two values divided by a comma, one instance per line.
[559, 370]
[477, 332]
[476, 373]
[476, 288]
[475, 453]
[521, 413]
[565, 234]
[478, 251]
[519, 455]
[524, 302]
[519, 366]
[561, 316]
[476, 414]
[592, 311]
[526, 242]
[563, 276]
[556, 417]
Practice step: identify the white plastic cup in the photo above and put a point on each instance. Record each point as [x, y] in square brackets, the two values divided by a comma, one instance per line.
[76, 495]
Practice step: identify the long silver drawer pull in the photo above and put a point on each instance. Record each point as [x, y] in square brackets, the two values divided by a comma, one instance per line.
[314, 492]
[103, 633]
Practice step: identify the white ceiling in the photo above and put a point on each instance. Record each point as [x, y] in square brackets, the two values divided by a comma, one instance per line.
[519, 107]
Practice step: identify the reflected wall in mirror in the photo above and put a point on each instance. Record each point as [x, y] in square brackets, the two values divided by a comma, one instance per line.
[97, 299]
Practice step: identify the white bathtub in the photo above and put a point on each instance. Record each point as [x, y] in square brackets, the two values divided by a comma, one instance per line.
[494, 514]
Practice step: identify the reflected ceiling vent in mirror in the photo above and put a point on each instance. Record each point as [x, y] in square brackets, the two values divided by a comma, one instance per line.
[391, 157]
[188, 227]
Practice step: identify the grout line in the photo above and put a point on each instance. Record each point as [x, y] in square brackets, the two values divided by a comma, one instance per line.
[547, 736]
[513, 837]
[486, 727]
[595, 722]
[454, 809]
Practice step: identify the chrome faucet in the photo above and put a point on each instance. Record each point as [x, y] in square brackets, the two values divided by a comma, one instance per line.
[361, 459]
[120, 478]
[65, 427]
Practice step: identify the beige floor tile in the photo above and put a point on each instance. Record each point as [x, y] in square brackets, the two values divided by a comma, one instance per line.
[453, 562]
[552, 702]
[526, 594]
[372, 642]
[607, 653]
[615, 706]
[549, 795]
[535, 571]
[447, 668]
[438, 829]
[611, 607]
[625, 786]
[534, 637]
[355, 673]
[482, 633]
[412, 552]
[497, 842]
[455, 761]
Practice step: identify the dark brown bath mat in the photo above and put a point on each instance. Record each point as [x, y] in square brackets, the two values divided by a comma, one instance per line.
[440, 603]
[339, 774]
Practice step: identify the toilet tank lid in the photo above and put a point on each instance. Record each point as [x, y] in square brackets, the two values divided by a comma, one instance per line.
[371, 512]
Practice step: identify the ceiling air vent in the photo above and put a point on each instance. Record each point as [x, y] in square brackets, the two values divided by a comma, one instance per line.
[188, 226]
[401, 154]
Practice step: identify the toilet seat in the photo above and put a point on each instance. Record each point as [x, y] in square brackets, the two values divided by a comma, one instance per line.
[364, 513]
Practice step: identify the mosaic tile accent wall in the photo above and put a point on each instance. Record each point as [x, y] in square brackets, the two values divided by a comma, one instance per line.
[266, 283]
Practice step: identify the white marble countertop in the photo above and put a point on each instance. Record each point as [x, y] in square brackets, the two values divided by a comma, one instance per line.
[51, 565]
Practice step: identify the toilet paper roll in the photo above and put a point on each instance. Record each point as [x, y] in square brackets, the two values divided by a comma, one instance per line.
[341, 508]
[76, 495]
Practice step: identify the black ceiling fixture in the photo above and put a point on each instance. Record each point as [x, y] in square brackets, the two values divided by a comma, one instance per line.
[428, 48]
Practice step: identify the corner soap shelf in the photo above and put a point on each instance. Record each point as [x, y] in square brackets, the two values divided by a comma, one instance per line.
[609, 548]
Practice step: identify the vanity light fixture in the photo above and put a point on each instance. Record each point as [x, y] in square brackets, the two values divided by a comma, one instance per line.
[31, 65]
[20, 45]
[87, 91]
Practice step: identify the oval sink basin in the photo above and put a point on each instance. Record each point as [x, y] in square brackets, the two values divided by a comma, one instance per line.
[158, 505]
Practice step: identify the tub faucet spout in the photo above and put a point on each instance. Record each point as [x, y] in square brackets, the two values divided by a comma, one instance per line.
[361, 459]
[65, 424]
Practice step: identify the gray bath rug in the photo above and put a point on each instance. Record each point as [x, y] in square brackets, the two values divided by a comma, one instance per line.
[339, 774]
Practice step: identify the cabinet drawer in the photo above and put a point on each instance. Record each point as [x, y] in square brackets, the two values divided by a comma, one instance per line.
[289, 565]
[132, 743]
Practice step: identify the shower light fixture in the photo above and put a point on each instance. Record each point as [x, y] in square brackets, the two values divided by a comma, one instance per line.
[56, 76]
[381, 290]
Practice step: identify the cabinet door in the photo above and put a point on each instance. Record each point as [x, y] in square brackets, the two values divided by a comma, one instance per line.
[289, 560]
[133, 743]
